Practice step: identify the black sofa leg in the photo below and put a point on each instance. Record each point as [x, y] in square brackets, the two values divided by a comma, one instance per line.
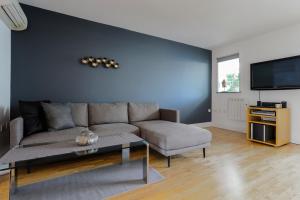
[203, 152]
[169, 161]
[28, 169]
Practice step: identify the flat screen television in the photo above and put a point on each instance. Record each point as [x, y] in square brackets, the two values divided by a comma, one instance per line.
[280, 74]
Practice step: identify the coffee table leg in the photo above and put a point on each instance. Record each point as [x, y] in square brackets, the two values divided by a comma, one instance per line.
[125, 153]
[13, 178]
[146, 164]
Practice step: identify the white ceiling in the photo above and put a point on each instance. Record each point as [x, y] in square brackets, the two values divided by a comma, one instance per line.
[202, 23]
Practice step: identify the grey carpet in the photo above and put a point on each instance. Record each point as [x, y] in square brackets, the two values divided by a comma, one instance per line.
[90, 185]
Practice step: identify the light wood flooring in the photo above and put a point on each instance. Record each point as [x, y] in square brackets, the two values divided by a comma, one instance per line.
[233, 169]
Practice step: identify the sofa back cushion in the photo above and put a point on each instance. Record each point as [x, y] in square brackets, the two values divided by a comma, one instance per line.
[143, 111]
[80, 114]
[58, 116]
[102, 113]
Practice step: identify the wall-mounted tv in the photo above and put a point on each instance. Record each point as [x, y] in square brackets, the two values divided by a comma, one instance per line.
[280, 74]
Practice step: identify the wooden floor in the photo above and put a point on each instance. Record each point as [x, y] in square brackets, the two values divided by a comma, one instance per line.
[233, 169]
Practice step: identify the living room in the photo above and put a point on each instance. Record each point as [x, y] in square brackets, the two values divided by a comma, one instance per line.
[149, 99]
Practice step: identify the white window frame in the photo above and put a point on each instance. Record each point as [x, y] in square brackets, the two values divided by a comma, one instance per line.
[225, 58]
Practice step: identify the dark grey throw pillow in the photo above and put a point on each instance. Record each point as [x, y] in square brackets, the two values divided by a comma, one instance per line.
[34, 118]
[58, 116]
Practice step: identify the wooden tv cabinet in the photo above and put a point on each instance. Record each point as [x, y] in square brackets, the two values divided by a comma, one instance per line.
[281, 124]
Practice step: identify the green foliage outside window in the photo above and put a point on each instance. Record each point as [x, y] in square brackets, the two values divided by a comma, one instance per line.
[233, 83]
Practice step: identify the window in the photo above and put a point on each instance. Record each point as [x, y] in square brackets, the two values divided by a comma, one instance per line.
[229, 73]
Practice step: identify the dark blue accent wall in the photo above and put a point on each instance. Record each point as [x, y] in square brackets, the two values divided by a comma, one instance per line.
[45, 65]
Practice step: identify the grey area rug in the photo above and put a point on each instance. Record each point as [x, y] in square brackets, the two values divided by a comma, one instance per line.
[96, 184]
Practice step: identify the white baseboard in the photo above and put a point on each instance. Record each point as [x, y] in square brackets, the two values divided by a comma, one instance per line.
[228, 127]
[204, 124]
[238, 127]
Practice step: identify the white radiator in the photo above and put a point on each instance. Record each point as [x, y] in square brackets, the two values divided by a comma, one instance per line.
[236, 109]
[4, 138]
[4, 128]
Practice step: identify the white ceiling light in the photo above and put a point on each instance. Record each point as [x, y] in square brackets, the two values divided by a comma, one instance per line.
[12, 15]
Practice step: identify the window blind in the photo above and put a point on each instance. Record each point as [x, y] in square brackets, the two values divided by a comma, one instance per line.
[230, 57]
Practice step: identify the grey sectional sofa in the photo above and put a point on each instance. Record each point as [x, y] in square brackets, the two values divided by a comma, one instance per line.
[159, 127]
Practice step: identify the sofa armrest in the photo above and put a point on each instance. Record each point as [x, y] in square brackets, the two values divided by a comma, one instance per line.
[16, 131]
[170, 115]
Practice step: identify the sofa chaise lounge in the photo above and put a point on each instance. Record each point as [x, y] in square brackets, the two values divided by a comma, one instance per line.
[161, 128]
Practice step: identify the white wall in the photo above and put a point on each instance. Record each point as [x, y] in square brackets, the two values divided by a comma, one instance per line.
[273, 45]
[5, 68]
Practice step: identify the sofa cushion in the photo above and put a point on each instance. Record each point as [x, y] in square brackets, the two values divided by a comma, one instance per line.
[58, 116]
[34, 118]
[53, 136]
[143, 111]
[102, 113]
[80, 113]
[115, 128]
[171, 136]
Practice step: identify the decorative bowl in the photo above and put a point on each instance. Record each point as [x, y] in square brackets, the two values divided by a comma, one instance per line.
[86, 152]
[86, 137]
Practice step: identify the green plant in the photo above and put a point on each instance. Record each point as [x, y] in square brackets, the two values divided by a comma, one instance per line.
[233, 82]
